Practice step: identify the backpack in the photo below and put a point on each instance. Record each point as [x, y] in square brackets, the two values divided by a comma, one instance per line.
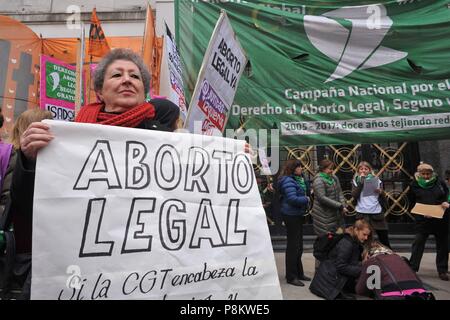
[324, 243]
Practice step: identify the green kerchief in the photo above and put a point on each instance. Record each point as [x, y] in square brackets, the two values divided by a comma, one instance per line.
[368, 177]
[426, 184]
[301, 182]
[328, 178]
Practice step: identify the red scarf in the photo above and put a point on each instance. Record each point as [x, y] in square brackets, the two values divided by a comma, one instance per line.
[132, 118]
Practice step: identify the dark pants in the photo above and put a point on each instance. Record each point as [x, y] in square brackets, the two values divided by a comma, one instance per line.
[438, 228]
[294, 248]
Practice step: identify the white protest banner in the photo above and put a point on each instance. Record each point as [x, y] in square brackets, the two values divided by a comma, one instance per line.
[124, 213]
[175, 89]
[222, 67]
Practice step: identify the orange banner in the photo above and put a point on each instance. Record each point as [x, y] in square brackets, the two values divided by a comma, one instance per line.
[148, 45]
[156, 68]
[20, 48]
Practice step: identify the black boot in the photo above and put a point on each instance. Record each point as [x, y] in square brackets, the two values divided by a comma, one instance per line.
[296, 282]
[304, 278]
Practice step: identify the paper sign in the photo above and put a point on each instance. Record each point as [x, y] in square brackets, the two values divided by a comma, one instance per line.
[222, 67]
[435, 211]
[370, 185]
[176, 93]
[124, 213]
[265, 168]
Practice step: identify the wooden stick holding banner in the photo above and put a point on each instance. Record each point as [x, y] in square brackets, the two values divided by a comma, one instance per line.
[222, 67]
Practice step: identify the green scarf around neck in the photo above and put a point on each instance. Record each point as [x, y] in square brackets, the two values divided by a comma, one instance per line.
[301, 182]
[328, 178]
[368, 177]
[426, 184]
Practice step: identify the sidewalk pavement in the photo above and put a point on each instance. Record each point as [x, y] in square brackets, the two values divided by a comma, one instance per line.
[427, 273]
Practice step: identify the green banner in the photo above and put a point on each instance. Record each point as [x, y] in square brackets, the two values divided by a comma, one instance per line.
[61, 82]
[332, 72]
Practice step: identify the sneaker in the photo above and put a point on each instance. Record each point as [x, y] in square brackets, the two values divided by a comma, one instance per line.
[443, 276]
[296, 282]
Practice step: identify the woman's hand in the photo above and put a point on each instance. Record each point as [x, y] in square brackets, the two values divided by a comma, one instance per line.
[34, 138]
[248, 149]
[445, 205]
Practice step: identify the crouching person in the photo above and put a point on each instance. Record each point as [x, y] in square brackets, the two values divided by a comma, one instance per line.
[387, 276]
[338, 273]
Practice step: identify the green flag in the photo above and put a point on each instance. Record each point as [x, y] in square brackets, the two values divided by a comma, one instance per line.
[332, 72]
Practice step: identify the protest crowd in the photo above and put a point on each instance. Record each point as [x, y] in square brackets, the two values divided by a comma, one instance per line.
[121, 80]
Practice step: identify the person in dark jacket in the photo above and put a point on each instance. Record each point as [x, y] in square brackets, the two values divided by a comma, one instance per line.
[21, 257]
[294, 192]
[121, 82]
[369, 205]
[395, 280]
[427, 188]
[337, 275]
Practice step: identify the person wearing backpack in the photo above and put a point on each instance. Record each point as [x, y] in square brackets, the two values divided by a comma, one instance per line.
[427, 188]
[337, 274]
[369, 202]
[329, 203]
[294, 192]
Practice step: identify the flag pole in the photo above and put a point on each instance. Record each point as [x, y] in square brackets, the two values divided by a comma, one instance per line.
[144, 54]
[145, 30]
[79, 71]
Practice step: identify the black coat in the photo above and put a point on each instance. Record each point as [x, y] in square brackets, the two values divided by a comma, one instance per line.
[344, 264]
[437, 194]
